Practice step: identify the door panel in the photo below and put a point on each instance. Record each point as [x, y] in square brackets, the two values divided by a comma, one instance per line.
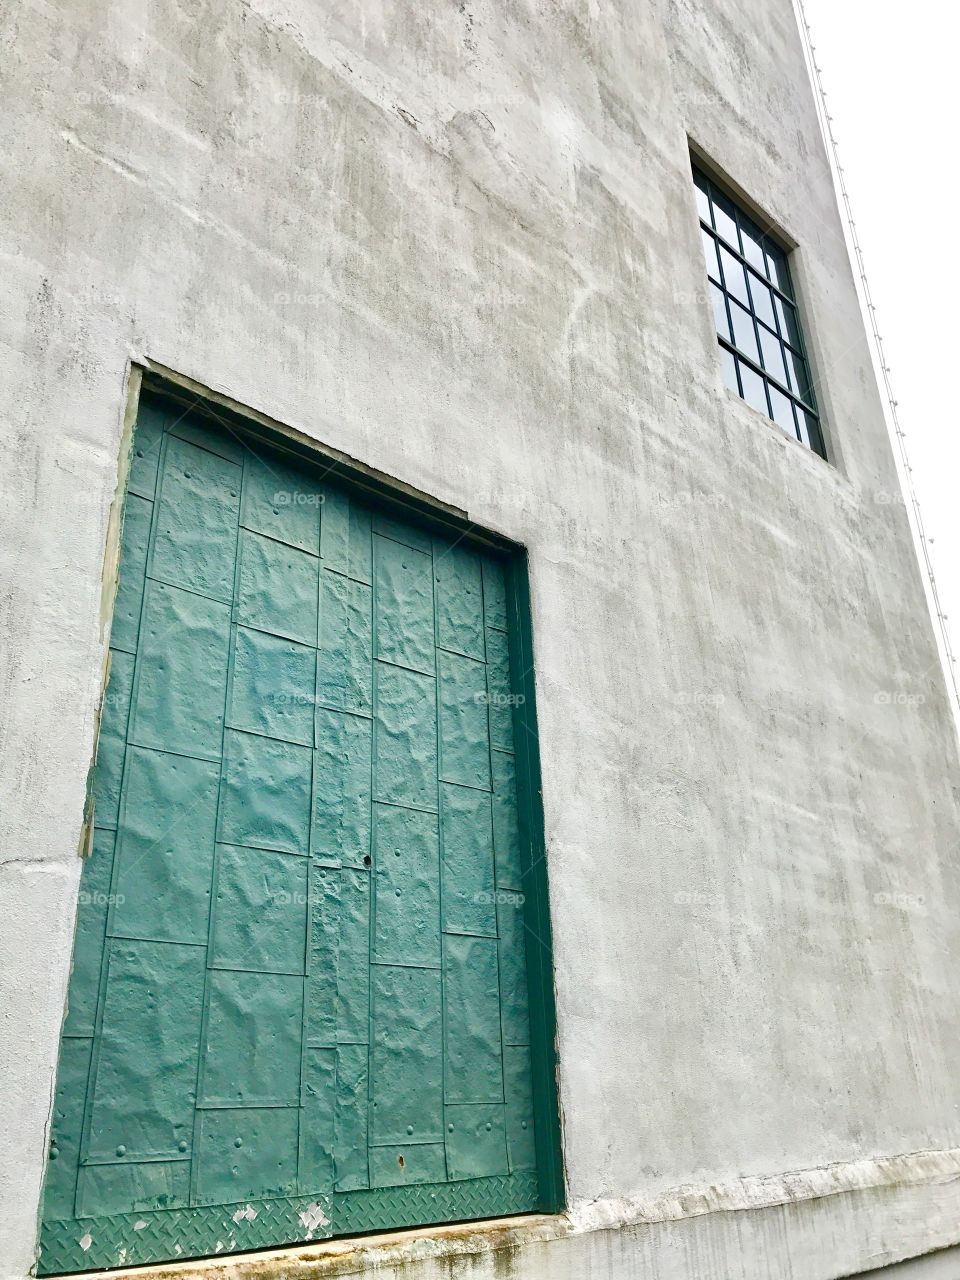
[298, 1006]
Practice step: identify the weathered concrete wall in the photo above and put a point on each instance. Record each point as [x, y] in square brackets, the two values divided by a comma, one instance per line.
[459, 242]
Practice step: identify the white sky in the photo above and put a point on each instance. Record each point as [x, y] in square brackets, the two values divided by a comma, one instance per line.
[892, 79]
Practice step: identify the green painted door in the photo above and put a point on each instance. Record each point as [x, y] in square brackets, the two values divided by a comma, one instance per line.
[298, 1005]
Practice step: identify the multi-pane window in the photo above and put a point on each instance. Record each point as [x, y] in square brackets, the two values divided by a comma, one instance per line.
[761, 346]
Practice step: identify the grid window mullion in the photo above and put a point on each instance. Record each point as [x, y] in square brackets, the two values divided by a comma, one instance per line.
[759, 369]
[726, 303]
[790, 379]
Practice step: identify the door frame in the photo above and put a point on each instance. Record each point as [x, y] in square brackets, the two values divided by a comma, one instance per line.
[414, 506]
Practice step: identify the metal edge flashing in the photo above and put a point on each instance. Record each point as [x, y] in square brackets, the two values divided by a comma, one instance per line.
[535, 884]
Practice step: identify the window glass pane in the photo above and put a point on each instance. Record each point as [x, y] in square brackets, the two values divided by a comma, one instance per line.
[772, 353]
[762, 301]
[734, 277]
[729, 366]
[720, 312]
[703, 203]
[777, 268]
[789, 329]
[710, 253]
[751, 238]
[753, 391]
[725, 218]
[810, 432]
[798, 382]
[744, 334]
[782, 409]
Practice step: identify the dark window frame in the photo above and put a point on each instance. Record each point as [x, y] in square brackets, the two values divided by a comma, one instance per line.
[749, 281]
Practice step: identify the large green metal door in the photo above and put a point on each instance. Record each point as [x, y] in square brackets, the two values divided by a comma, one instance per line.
[298, 1004]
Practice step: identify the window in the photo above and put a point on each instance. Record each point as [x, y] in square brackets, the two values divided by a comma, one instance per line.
[761, 346]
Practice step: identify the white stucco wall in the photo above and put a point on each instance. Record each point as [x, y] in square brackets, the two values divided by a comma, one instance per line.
[459, 242]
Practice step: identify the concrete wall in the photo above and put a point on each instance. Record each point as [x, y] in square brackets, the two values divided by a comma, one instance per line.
[459, 242]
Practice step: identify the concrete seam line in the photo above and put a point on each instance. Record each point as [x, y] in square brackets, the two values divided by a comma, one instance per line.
[768, 1190]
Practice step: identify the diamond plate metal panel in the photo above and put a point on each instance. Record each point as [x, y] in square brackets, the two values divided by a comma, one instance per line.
[306, 1029]
[130, 1239]
[436, 1202]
